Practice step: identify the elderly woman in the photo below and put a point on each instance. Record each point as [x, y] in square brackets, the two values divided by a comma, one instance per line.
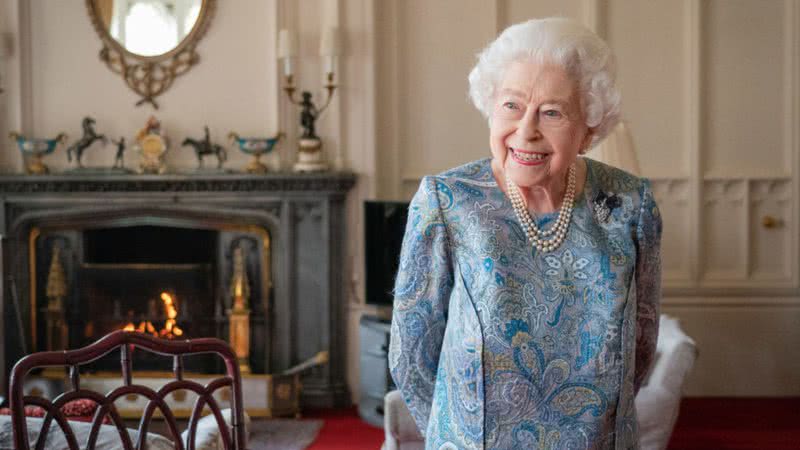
[526, 303]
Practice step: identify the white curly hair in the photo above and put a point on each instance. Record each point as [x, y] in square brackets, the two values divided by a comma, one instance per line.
[585, 57]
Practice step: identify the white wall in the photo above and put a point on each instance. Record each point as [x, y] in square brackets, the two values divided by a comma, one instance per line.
[710, 92]
[233, 87]
[710, 89]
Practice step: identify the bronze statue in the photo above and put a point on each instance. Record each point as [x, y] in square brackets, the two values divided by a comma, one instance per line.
[206, 147]
[88, 138]
[308, 116]
[118, 162]
[309, 145]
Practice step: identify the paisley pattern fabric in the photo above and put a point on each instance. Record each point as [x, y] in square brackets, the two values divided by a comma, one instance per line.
[495, 345]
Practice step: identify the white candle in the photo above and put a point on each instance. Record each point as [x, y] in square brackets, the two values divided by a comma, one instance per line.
[287, 49]
[287, 66]
[287, 44]
[330, 47]
[328, 64]
[330, 43]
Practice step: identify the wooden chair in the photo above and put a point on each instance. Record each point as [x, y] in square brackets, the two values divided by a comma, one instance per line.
[126, 342]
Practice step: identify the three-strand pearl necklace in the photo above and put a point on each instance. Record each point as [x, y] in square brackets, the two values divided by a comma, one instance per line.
[550, 239]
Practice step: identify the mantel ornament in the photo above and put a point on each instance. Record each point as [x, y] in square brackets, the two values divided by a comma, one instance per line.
[205, 147]
[309, 145]
[89, 137]
[148, 66]
[33, 150]
[152, 144]
[256, 147]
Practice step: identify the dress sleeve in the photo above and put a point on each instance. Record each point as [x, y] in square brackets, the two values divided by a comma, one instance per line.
[648, 284]
[421, 294]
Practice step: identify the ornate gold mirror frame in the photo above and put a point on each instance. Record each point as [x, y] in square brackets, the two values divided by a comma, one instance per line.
[150, 76]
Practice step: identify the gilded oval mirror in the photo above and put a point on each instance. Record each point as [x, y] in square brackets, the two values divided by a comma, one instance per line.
[150, 42]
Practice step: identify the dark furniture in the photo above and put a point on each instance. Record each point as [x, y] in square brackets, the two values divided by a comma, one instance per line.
[375, 378]
[384, 228]
[126, 342]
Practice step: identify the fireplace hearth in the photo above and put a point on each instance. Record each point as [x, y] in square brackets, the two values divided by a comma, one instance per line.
[158, 280]
[254, 260]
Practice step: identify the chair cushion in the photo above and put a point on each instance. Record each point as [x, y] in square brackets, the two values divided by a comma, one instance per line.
[398, 422]
[656, 413]
[81, 410]
[107, 438]
[208, 436]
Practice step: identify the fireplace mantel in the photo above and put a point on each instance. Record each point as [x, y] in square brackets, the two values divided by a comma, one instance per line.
[303, 215]
[213, 182]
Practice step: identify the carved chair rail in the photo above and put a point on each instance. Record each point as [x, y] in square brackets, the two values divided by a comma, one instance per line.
[126, 342]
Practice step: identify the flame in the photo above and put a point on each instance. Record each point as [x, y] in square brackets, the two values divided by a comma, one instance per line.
[170, 329]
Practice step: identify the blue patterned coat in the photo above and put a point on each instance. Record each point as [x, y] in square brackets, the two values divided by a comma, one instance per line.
[495, 345]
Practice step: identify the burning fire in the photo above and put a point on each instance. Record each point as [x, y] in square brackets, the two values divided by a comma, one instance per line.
[170, 330]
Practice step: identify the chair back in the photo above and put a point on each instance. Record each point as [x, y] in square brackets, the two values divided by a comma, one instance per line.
[126, 342]
[675, 355]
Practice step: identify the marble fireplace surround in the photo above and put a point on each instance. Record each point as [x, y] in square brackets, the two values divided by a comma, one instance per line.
[303, 215]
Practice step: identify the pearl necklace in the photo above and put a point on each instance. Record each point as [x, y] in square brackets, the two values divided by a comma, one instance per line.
[539, 238]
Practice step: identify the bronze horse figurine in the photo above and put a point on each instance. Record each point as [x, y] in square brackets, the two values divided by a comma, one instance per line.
[206, 147]
[88, 138]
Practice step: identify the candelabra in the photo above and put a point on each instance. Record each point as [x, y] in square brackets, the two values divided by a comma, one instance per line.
[55, 312]
[309, 145]
[239, 313]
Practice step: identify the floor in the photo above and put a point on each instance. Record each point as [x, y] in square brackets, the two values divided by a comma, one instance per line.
[344, 430]
[737, 423]
[704, 423]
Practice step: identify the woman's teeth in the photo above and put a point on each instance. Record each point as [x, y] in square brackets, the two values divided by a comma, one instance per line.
[524, 156]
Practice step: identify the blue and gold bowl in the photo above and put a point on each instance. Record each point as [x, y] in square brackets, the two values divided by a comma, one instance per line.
[34, 149]
[255, 147]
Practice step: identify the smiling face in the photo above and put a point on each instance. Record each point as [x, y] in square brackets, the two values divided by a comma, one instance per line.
[537, 127]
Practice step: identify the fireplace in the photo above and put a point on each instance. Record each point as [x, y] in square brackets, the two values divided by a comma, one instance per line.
[151, 279]
[254, 260]
[162, 279]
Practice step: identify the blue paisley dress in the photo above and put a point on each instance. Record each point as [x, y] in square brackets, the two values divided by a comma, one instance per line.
[495, 345]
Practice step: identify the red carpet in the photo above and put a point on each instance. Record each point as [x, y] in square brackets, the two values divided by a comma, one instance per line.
[737, 423]
[704, 424]
[344, 430]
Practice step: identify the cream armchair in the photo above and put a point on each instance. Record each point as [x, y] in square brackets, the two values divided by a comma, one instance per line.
[657, 402]
[401, 430]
